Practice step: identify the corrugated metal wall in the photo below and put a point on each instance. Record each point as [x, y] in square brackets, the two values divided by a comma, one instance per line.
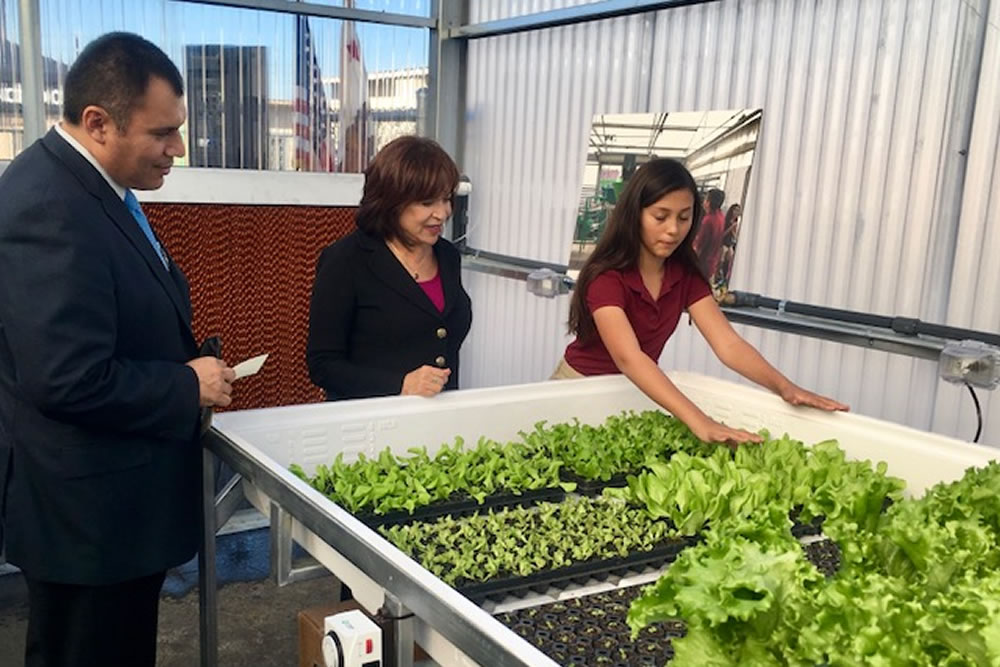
[856, 190]
[974, 298]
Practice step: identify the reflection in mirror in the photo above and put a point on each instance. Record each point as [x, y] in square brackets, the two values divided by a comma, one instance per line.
[717, 147]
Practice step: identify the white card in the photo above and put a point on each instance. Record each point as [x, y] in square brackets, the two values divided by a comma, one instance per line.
[250, 366]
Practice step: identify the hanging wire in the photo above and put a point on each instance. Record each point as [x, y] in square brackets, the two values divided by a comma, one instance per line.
[979, 412]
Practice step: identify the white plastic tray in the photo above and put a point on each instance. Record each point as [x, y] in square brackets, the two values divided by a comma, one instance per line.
[314, 434]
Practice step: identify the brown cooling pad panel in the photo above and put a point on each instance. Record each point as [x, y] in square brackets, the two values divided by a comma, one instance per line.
[251, 271]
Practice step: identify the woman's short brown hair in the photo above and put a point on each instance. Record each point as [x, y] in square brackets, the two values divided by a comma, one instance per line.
[406, 170]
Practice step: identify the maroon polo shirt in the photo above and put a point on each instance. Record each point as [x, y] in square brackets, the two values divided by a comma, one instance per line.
[652, 321]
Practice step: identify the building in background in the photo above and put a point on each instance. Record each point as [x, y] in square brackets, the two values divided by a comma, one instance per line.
[232, 122]
[11, 114]
[228, 106]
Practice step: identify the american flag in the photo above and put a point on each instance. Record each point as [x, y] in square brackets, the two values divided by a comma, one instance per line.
[312, 115]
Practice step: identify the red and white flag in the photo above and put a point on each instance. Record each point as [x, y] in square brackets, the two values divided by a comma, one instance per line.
[353, 145]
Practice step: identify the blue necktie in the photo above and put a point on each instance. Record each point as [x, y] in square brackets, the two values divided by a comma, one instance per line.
[133, 206]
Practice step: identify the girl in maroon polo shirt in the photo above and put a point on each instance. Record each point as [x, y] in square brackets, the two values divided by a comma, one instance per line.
[630, 294]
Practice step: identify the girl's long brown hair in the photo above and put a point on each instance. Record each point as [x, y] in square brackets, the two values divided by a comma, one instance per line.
[618, 247]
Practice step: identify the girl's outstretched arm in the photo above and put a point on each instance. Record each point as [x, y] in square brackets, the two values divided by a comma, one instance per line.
[744, 358]
[619, 338]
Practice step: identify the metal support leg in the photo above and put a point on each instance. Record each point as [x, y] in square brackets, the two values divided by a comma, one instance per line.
[281, 552]
[207, 594]
[402, 622]
[281, 544]
[227, 500]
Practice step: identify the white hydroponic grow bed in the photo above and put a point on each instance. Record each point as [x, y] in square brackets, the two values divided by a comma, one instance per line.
[314, 434]
[274, 438]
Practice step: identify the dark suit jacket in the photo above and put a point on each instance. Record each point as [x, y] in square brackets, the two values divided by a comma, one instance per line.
[370, 323]
[102, 467]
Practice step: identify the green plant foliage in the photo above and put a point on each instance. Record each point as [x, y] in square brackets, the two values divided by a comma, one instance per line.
[919, 584]
[393, 483]
[521, 541]
[622, 444]
[694, 490]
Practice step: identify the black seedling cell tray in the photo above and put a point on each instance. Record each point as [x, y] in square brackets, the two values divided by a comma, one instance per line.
[825, 555]
[591, 631]
[800, 529]
[593, 487]
[578, 573]
[463, 506]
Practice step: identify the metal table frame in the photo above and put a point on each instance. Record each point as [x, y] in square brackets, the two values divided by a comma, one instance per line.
[418, 609]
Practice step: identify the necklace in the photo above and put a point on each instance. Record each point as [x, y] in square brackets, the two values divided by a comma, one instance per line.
[401, 256]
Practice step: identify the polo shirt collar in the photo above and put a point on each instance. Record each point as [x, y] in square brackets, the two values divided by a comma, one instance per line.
[672, 274]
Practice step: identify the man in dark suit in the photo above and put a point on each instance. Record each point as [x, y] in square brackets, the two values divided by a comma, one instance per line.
[100, 379]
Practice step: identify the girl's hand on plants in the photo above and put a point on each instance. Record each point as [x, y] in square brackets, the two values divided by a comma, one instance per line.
[713, 431]
[798, 396]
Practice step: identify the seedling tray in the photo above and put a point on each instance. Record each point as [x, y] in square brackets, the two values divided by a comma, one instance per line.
[462, 506]
[800, 529]
[579, 573]
[591, 630]
[593, 487]
[825, 555]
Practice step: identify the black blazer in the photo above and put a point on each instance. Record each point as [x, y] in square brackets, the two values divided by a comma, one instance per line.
[101, 464]
[370, 323]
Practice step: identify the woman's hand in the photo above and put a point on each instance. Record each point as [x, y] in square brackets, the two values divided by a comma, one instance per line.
[709, 430]
[425, 381]
[796, 395]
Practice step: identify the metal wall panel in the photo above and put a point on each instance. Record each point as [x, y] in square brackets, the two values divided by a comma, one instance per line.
[529, 101]
[975, 284]
[856, 183]
[516, 337]
[481, 11]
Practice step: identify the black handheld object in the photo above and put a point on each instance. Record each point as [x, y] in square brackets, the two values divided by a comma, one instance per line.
[212, 347]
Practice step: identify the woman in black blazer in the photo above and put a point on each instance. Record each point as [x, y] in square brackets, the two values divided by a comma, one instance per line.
[388, 312]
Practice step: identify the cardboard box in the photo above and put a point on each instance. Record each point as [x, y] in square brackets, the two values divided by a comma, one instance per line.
[311, 633]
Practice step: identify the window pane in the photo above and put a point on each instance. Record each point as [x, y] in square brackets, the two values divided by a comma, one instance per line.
[264, 88]
[11, 117]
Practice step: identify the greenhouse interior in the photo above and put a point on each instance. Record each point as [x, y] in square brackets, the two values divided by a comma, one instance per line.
[500, 333]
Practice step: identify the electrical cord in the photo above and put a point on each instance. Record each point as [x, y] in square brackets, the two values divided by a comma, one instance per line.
[979, 412]
[468, 230]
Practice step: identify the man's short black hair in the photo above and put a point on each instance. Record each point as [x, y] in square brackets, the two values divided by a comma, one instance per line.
[113, 72]
[716, 198]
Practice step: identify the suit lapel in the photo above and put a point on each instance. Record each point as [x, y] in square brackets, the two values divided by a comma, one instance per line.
[181, 283]
[116, 210]
[386, 267]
